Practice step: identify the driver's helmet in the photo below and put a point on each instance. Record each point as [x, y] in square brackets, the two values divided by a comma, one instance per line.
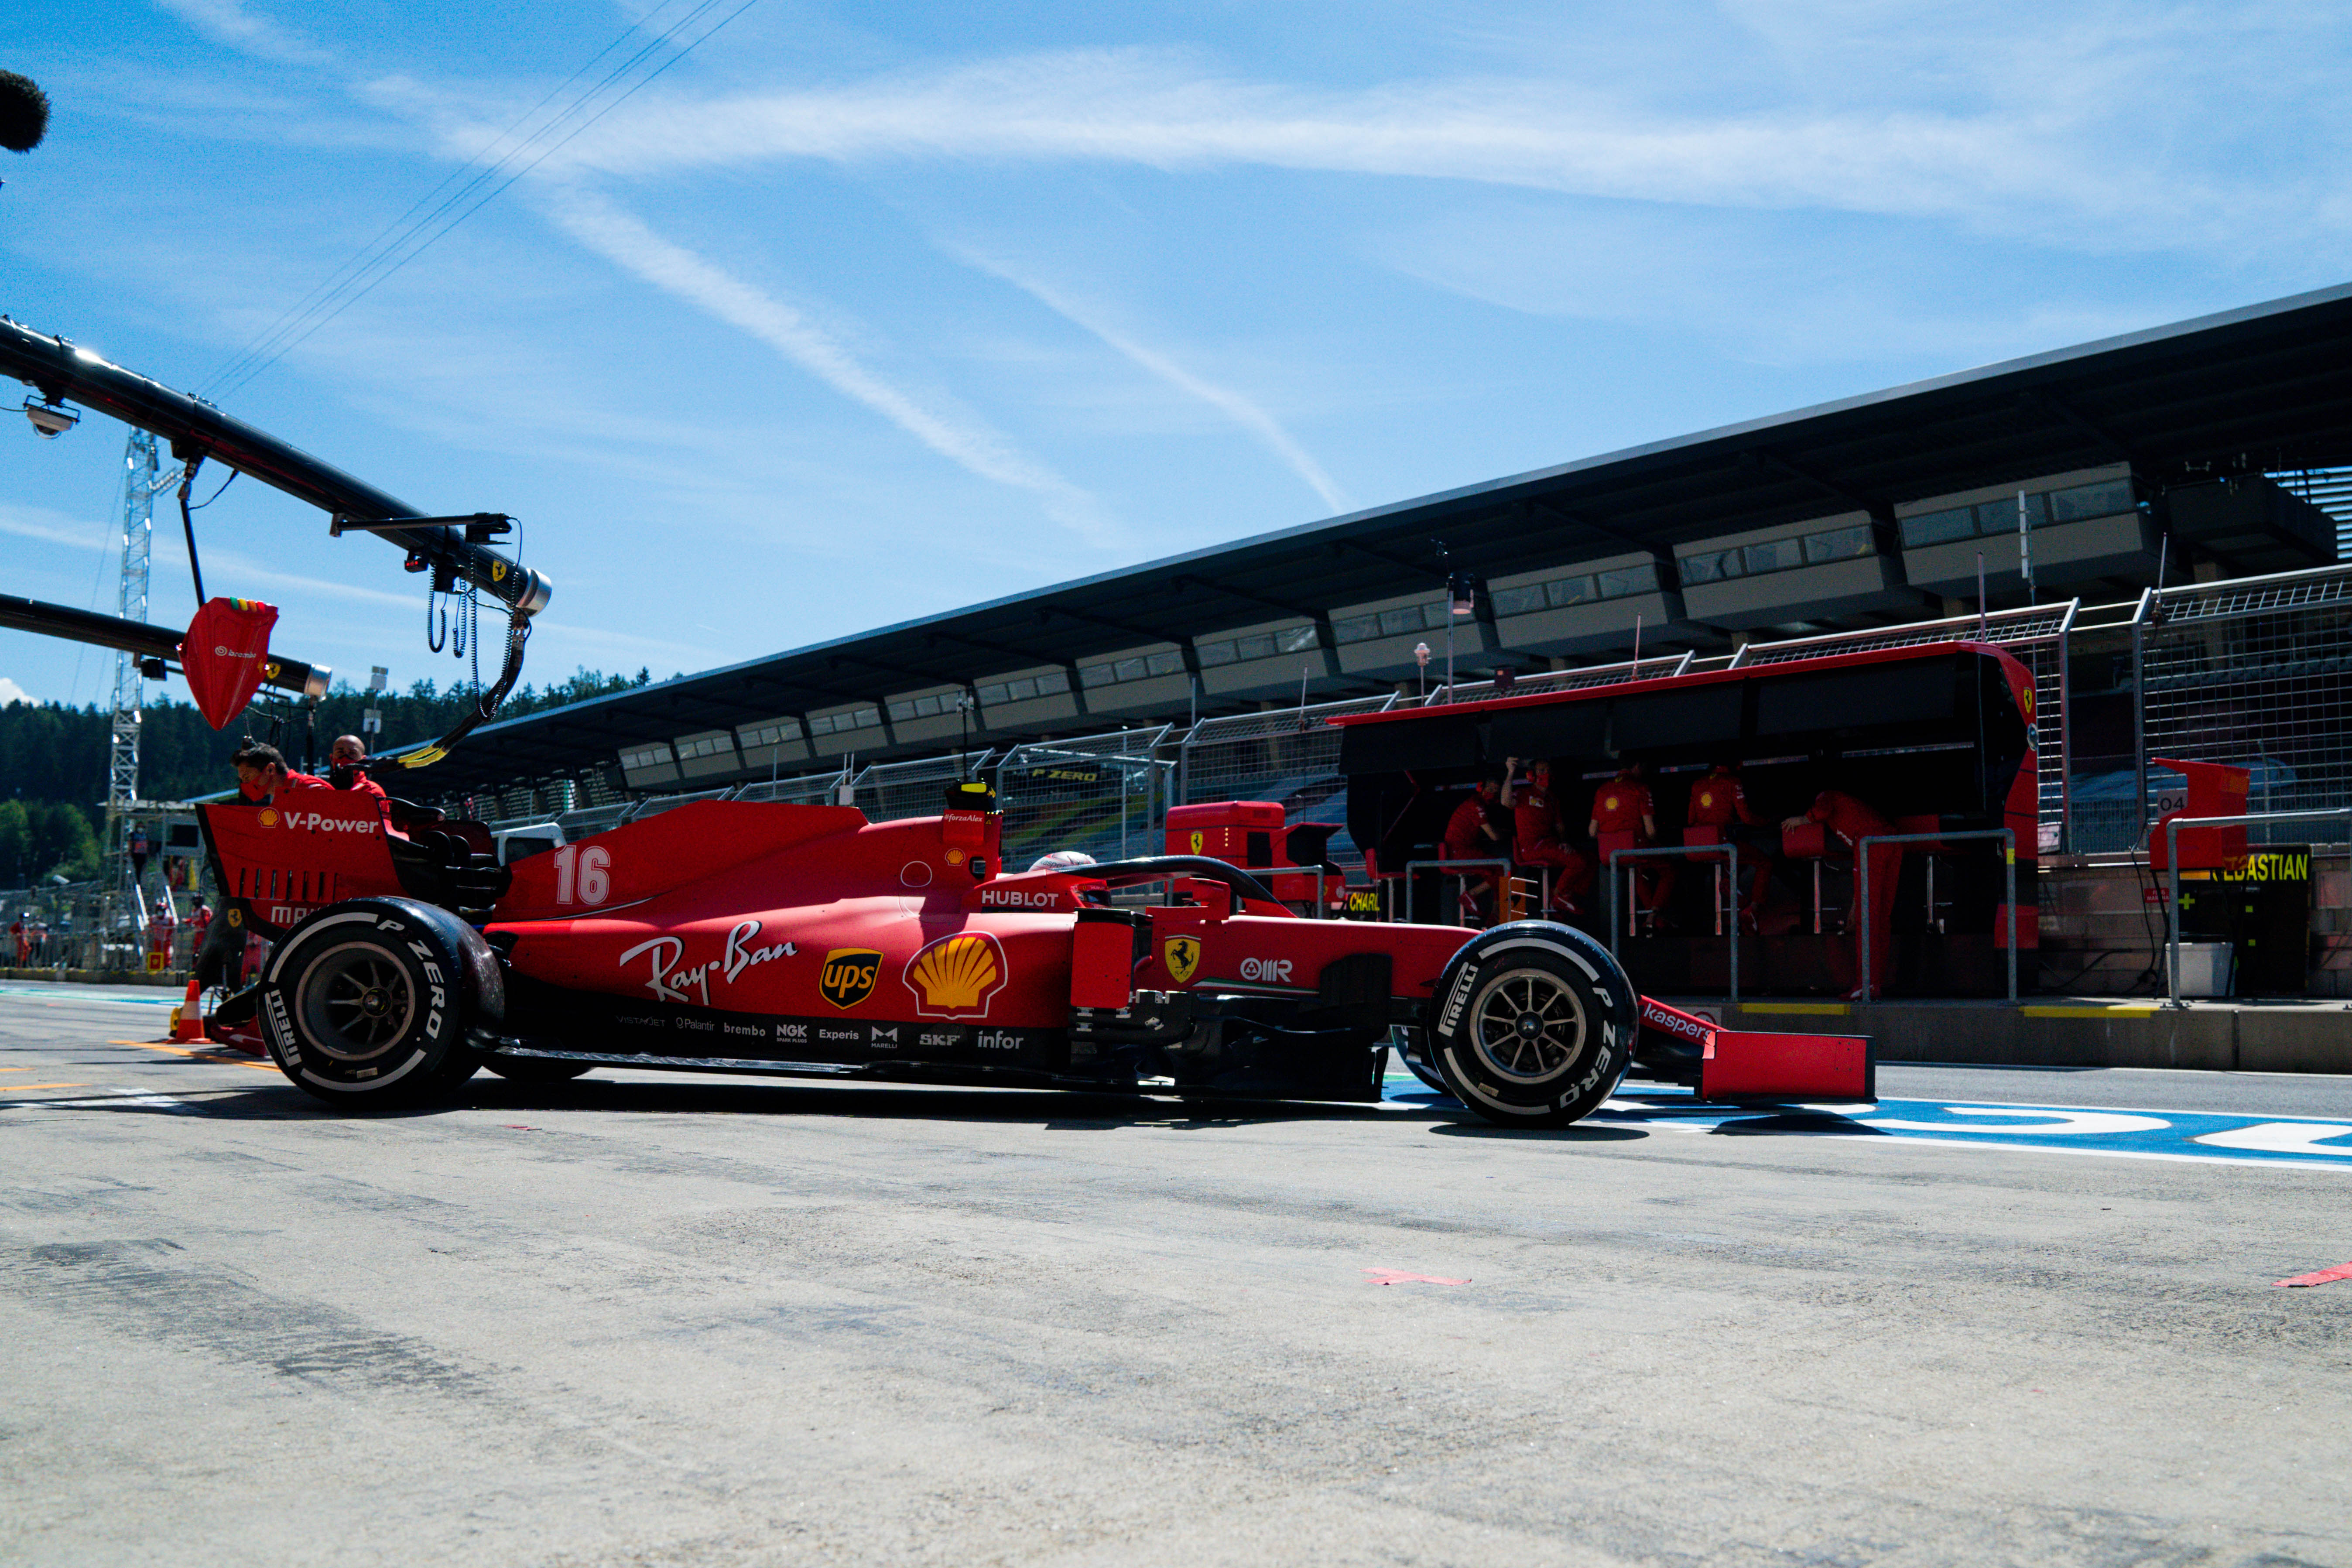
[1062, 861]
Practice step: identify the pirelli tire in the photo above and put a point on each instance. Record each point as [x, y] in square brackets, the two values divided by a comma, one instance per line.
[366, 1004]
[1533, 1024]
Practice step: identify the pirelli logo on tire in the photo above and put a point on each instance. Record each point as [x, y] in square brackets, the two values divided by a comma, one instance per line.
[1457, 999]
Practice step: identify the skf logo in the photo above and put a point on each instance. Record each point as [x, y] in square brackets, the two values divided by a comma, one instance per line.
[1278, 969]
[955, 977]
[1182, 956]
[848, 975]
[1199, 840]
[268, 816]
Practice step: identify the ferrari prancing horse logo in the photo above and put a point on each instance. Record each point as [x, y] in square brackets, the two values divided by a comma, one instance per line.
[847, 978]
[1182, 956]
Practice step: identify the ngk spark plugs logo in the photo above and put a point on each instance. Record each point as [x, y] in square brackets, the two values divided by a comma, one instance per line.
[849, 975]
[955, 977]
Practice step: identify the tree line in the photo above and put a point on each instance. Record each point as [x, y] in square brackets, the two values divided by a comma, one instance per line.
[53, 755]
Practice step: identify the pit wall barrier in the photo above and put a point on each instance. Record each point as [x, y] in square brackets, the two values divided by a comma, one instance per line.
[2072, 1032]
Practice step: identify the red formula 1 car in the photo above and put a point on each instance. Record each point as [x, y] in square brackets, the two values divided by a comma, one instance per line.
[806, 940]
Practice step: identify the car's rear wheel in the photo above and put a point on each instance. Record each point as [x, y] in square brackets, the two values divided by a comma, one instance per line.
[366, 1005]
[1535, 1025]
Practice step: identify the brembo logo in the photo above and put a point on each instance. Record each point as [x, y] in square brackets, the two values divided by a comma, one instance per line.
[315, 823]
[219, 652]
[1275, 969]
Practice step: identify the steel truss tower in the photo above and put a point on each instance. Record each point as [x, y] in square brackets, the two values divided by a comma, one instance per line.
[139, 487]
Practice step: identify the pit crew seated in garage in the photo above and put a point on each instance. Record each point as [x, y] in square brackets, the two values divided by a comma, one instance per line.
[1537, 838]
[348, 768]
[1851, 821]
[262, 775]
[1720, 801]
[1621, 808]
[1471, 835]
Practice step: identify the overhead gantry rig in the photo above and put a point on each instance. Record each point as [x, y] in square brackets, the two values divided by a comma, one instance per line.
[451, 549]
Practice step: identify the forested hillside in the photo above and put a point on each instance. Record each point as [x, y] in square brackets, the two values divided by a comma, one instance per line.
[53, 754]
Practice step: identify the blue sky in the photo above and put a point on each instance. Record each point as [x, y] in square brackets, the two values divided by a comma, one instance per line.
[857, 312]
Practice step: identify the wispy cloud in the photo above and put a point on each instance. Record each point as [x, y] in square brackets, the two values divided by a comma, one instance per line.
[227, 22]
[52, 527]
[620, 238]
[10, 692]
[1225, 399]
[1128, 106]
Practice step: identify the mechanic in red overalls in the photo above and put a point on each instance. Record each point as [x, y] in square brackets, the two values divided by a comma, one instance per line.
[1537, 838]
[1720, 801]
[262, 775]
[24, 945]
[1624, 805]
[1852, 821]
[348, 768]
[1470, 835]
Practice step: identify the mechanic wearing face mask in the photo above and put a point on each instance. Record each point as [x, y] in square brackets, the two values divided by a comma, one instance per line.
[347, 764]
[262, 775]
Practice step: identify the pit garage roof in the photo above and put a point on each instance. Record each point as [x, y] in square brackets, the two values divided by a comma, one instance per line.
[2264, 388]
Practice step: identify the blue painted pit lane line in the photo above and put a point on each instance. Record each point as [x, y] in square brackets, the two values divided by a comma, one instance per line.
[2302, 1141]
[66, 998]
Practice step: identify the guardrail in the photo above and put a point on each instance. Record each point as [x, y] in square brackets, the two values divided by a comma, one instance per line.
[2172, 877]
[1725, 851]
[1459, 870]
[1862, 886]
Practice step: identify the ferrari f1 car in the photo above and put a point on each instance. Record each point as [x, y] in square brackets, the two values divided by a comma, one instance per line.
[808, 941]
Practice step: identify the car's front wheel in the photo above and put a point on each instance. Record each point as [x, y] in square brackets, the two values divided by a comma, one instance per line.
[1535, 1025]
[366, 1004]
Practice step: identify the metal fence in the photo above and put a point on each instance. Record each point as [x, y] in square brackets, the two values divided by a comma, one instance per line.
[2256, 673]
[1105, 795]
[1289, 756]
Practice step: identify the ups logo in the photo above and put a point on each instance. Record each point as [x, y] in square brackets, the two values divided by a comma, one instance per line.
[847, 978]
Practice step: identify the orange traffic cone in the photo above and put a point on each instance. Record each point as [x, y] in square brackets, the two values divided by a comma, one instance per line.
[188, 1019]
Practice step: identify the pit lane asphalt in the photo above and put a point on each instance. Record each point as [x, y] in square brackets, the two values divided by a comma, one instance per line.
[651, 1319]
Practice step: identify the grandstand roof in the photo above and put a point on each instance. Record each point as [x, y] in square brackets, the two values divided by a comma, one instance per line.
[2261, 389]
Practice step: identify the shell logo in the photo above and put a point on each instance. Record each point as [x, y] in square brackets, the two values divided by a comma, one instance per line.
[1609, 803]
[268, 816]
[955, 977]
